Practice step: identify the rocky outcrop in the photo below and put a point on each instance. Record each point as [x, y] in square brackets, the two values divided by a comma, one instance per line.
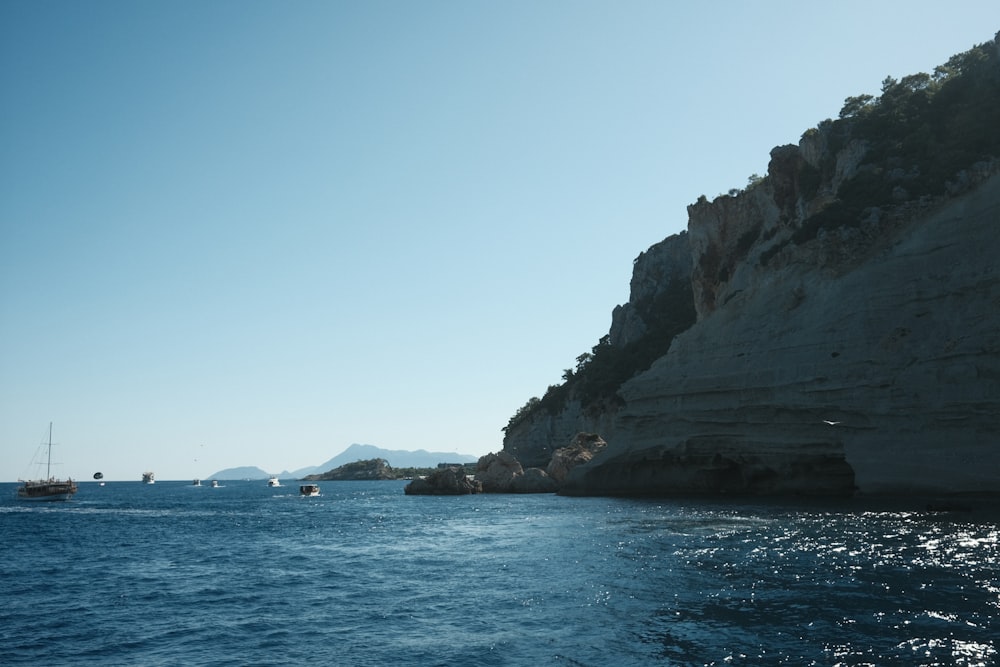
[661, 279]
[583, 448]
[534, 480]
[653, 274]
[844, 327]
[533, 441]
[736, 238]
[447, 481]
[862, 359]
[503, 473]
[496, 472]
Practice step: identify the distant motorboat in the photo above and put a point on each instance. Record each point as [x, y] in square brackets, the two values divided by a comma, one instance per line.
[148, 478]
[49, 488]
[309, 490]
[273, 482]
[215, 483]
[196, 482]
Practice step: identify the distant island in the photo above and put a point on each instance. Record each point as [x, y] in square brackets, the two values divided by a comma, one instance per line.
[379, 469]
[403, 462]
[245, 472]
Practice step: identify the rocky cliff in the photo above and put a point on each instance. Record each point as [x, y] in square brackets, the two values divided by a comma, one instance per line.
[818, 377]
[848, 318]
[660, 303]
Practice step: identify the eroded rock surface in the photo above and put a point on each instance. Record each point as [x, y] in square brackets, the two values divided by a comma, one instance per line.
[503, 473]
[839, 329]
[898, 343]
[582, 450]
[450, 481]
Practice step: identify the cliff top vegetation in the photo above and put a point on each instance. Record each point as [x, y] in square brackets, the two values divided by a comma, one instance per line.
[922, 137]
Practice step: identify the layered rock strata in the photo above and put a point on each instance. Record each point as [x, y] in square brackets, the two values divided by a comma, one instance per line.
[867, 358]
[656, 272]
[839, 329]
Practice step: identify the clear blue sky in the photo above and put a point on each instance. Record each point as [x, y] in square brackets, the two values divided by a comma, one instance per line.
[253, 233]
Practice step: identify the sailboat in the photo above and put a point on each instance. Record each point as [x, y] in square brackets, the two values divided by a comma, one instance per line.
[50, 488]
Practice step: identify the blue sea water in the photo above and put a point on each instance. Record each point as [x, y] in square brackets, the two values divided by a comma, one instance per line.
[172, 574]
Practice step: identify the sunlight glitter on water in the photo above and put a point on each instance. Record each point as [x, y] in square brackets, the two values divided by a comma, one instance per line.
[368, 576]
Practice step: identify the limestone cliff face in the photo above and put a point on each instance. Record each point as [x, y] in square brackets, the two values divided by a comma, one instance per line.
[890, 329]
[657, 273]
[652, 274]
[534, 441]
[833, 328]
[731, 234]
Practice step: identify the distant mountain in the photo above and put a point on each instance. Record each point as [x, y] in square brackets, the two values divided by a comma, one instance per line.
[246, 472]
[396, 458]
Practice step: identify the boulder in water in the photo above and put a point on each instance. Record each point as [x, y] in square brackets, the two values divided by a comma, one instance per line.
[503, 473]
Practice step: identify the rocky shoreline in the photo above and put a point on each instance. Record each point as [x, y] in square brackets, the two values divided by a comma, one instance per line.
[503, 473]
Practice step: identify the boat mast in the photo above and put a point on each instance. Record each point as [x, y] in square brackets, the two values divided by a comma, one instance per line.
[48, 466]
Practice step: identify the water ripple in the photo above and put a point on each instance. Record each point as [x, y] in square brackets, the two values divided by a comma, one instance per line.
[365, 575]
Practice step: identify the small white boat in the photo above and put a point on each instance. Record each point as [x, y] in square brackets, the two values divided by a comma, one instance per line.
[148, 478]
[215, 483]
[273, 482]
[309, 489]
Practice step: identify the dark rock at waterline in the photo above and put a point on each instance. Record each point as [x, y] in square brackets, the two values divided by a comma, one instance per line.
[449, 481]
[583, 448]
[503, 473]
